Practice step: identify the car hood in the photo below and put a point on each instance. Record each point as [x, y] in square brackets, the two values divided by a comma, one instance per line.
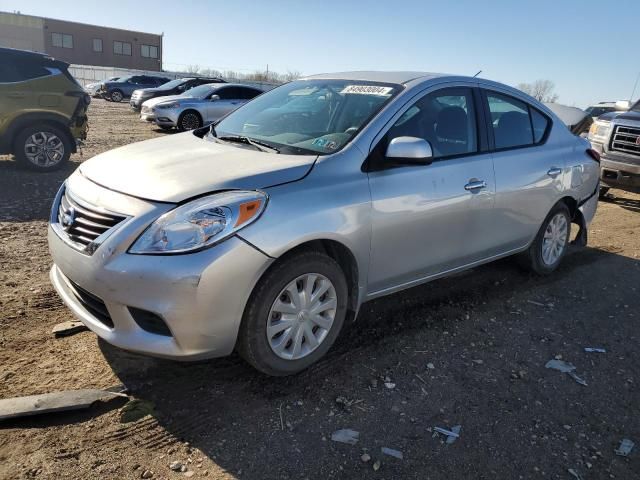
[628, 115]
[181, 166]
[152, 102]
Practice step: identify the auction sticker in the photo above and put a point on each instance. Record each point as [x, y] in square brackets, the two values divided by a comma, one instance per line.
[367, 89]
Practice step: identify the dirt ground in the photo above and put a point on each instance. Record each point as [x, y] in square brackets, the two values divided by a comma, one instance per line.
[468, 350]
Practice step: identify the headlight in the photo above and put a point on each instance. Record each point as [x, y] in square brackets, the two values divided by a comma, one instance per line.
[168, 105]
[599, 129]
[201, 223]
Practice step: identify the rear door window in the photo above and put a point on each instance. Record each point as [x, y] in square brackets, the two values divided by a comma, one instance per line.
[510, 121]
[9, 73]
[228, 93]
[248, 93]
[540, 124]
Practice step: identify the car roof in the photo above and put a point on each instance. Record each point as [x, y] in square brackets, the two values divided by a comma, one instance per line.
[225, 85]
[399, 77]
[28, 55]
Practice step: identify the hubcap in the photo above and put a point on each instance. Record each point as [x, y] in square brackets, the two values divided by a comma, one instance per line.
[44, 149]
[190, 121]
[116, 96]
[301, 316]
[555, 239]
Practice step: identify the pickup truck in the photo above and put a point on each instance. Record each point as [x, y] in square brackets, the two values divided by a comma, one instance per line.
[616, 136]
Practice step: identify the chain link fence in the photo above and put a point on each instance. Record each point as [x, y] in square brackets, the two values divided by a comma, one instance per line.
[86, 74]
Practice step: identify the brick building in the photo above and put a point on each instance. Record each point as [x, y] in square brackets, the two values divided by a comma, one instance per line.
[82, 44]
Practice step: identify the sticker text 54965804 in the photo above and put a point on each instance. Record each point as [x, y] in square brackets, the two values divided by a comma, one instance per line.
[367, 89]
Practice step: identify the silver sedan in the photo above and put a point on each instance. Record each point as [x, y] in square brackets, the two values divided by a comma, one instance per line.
[267, 231]
[198, 106]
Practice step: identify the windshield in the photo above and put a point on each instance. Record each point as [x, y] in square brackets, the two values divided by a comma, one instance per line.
[308, 116]
[171, 84]
[200, 91]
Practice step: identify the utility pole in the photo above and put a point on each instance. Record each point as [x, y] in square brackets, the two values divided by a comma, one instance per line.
[267, 76]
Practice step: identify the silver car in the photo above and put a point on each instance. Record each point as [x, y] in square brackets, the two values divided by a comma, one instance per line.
[267, 231]
[198, 106]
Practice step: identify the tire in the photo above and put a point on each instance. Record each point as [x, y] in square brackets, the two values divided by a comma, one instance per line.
[603, 192]
[116, 96]
[534, 258]
[254, 344]
[42, 147]
[189, 120]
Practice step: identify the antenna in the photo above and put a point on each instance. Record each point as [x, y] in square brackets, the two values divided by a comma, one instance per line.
[634, 88]
[479, 72]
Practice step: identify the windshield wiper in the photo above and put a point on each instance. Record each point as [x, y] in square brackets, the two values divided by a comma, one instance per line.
[250, 141]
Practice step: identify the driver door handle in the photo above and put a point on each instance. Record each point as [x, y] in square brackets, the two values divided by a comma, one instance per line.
[554, 172]
[475, 185]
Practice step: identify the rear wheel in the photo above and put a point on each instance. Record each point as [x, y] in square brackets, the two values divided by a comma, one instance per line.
[189, 120]
[603, 192]
[551, 242]
[294, 315]
[42, 147]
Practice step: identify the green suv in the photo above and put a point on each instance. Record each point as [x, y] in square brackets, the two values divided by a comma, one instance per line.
[43, 109]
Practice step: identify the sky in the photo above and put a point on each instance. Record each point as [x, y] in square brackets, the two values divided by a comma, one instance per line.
[573, 43]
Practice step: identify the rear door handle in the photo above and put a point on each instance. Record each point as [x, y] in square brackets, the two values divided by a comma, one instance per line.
[475, 185]
[554, 172]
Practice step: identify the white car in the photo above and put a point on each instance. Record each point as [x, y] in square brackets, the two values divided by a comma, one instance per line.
[92, 88]
[197, 107]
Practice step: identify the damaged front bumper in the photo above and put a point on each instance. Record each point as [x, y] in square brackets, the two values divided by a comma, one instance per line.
[184, 307]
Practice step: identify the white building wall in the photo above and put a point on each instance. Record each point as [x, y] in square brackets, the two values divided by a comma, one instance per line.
[21, 31]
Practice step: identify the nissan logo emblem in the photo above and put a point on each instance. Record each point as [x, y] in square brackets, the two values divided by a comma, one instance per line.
[68, 218]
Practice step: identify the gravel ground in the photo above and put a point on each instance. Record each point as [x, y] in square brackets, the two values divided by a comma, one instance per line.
[468, 350]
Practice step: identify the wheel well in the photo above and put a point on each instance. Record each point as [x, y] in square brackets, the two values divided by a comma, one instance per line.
[21, 124]
[343, 257]
[571, 204]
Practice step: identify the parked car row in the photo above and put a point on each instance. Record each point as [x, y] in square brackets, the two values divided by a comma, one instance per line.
[198, 106]
[93, 89]
[174, 87]
[122, 88]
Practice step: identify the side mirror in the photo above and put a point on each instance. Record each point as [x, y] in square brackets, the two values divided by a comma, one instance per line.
[213, 98]
[410, 151]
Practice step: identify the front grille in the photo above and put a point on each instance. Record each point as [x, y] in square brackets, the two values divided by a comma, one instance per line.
[92, 304]
[84, 224]
[626, 139]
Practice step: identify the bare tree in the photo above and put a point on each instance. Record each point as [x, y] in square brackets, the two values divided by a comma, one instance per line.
[541, 90]
[193, 69]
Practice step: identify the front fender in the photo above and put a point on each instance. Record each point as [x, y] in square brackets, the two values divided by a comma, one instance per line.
[315, 208]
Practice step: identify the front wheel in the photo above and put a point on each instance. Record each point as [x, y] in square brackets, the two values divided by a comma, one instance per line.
[189, 120]
[551, 242]
[116, 96]
[294, 314]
